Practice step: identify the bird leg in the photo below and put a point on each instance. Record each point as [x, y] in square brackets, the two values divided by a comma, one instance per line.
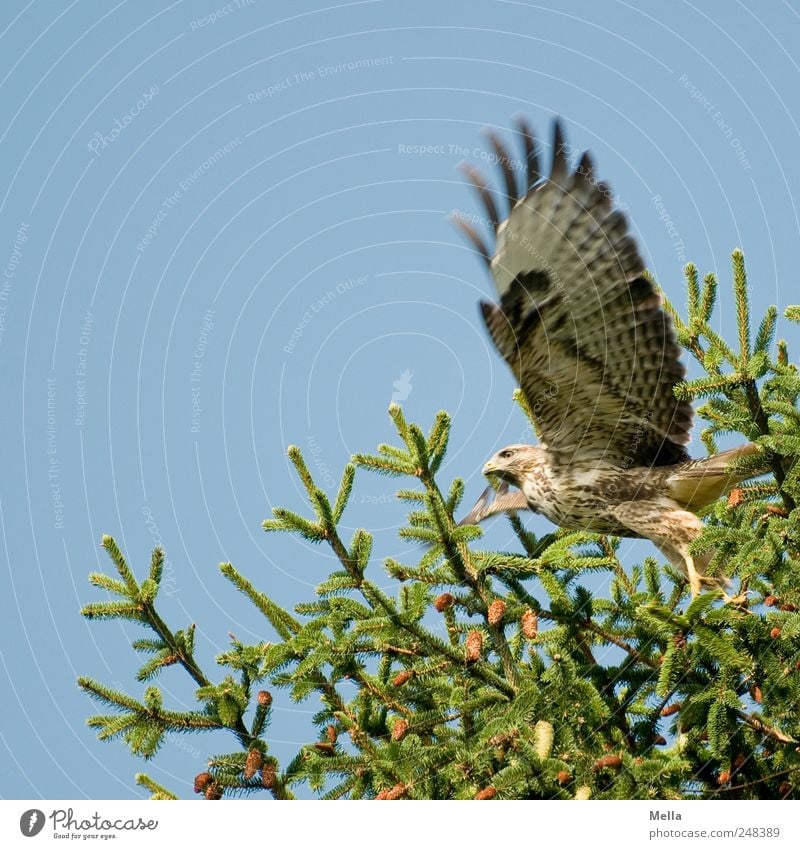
[672, 530]
[695, 581]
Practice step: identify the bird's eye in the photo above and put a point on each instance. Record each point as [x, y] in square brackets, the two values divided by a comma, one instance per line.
[506, 454]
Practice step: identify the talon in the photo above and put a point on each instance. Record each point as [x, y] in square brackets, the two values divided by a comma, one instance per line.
[735, 600]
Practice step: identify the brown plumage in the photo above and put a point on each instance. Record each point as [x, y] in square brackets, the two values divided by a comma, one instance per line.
[595, 354]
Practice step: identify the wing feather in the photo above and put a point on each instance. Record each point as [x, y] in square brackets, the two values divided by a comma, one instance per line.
[579, 324]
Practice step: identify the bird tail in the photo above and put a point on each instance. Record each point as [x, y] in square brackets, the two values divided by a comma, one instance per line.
[698, 483]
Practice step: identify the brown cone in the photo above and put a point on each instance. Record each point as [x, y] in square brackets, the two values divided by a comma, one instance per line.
[473, 646]
[202, 781]
[268, 775]
[213, 791]
[393, 792]
[402, 677]
[496, 612]
[399, 729]
[252, 764]
[735, 498]
[608, 762]
[444, 602]
[530, 624]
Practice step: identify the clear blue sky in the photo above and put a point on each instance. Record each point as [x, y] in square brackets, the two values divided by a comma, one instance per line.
[235, 181]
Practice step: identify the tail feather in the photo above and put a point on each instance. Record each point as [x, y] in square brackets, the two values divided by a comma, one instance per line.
[698, 483]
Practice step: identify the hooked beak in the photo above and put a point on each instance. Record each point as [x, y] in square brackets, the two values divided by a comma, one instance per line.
[489, 468]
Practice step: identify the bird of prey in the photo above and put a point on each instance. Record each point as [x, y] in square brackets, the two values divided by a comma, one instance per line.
[584, 332]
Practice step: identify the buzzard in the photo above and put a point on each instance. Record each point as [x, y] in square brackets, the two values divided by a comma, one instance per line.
[584, 332]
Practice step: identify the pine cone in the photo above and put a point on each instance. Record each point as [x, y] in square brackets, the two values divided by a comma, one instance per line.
[332, 735]
[473, 646]
[268, 774]
[497, 610]
[487, 793]
[530, 624]
[724, 777]
[399, 729]
[670, 709]
[393, 793]
[608, 762]
[444, 602]
[202, 781]
[402, 677]
[264, 698]
[771, 600]
[563, 778]
[252, 764]
[735, 498]
[213, 791]
[775, 633]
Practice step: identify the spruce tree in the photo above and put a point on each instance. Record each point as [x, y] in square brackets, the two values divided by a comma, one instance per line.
[481, 677]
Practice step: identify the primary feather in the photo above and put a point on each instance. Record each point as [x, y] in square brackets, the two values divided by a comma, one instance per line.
[581, 328]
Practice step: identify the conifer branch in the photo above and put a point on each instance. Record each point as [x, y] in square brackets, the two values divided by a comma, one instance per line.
[503, 673]
[762, 727]
[285, 624]
[742, 305]
[159, 793]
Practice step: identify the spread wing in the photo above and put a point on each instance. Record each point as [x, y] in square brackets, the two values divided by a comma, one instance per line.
[580, 326]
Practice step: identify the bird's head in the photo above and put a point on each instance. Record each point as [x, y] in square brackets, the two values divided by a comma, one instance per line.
[510, 463]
